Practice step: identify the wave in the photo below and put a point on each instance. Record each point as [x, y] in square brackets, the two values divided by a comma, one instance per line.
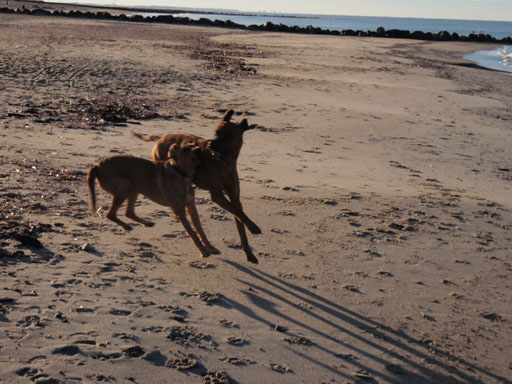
[498, 59]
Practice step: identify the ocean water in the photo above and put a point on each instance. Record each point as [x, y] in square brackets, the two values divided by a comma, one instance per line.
[499, 58]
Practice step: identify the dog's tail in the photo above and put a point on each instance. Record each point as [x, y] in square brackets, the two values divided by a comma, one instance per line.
[146, 138]
[91, 178]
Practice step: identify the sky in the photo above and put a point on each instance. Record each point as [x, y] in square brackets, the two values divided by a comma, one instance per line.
[437, 9]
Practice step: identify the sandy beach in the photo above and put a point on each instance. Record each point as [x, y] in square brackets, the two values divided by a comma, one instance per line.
[379, 172]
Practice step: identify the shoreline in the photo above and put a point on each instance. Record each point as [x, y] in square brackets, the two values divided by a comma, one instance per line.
[497, 59]
[267, 26]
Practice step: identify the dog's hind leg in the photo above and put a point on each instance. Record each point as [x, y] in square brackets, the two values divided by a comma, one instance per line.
[182, 217]
[233, 192]
[194, 216]
[117, 201]
[130, 210]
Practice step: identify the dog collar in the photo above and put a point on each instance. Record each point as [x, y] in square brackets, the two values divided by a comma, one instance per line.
[181, 172]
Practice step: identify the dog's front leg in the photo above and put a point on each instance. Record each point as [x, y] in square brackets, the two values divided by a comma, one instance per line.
[235, 208]
[194, 216]
[182, 217]
[240, 220]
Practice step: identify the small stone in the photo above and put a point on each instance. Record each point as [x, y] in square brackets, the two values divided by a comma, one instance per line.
[88, 248]
[492, 316]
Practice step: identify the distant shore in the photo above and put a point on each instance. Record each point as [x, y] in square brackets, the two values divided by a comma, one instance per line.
[118, 13]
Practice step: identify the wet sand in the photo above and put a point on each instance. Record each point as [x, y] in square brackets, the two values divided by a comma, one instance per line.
[379, 172]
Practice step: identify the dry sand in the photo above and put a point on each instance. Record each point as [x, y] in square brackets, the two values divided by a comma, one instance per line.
[380, 174]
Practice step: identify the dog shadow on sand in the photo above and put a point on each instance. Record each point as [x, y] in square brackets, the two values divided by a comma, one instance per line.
[382, 341]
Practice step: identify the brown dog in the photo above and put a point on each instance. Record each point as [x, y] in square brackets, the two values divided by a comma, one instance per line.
[166, 183]
[218, 176]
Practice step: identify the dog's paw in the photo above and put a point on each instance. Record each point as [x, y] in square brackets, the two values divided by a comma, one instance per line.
[127, 227]
[149, 224]
[205, 253]
[255, 230]
[252, 259]
[213, 250]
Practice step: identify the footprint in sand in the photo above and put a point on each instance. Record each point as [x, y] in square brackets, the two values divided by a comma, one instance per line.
[280, 368]
[236, 341]
[238, 361]
[215, 377]
[31, 321]
[185, 364]
[200, 264]
[120, 312]
[205, 296]
[105, 356]
[27, 372]
[187, 336]
[365, 376]
[229, 324]
[347, 356]
[299, 340]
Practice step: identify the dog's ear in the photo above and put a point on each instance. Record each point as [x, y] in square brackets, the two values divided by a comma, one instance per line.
[173, 151]
[228, 115]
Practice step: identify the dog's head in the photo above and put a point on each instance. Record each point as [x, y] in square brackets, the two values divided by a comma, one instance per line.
[185, 158]
[228, 136]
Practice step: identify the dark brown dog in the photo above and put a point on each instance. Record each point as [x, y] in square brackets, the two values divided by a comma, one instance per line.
[166, 183]
[218, 176]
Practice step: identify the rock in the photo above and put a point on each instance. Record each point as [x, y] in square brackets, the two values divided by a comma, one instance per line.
[88, 248]
[492, 316]
[165, 19]
[7, 10]
[398, 34]
[269, 26]
[136, 18]
[280, 328]
[40, 12]
[444, 36]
